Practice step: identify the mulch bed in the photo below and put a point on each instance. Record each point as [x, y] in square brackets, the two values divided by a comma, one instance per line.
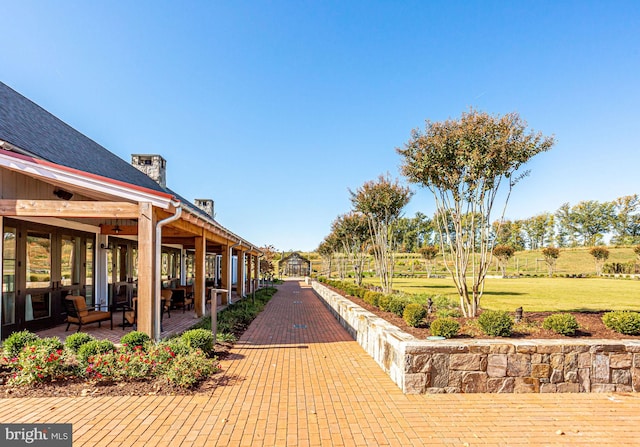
[82, 388]
[591, 325]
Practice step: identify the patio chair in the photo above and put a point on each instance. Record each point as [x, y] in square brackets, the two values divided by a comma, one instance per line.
[120, 299]
[78, 313]
[130, 315]
[188, 297]
[166, 295]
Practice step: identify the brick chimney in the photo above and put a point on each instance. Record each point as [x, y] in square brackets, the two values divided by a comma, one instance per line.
[153, 165]
[205, 205]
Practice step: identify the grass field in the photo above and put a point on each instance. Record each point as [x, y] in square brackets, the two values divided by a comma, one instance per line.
[571, 261]
[537, 294]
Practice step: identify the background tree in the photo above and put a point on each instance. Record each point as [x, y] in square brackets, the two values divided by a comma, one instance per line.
[636, 250]
[429, 253]
[626, 221]
[567, 232]
[326, 250]
[413, 232]
[503, 253]
[551, 255]
[382, 202]
[600, 255]
[587, 221]
[509, 233]
[464, 162]
[266, 261]
[539, 230]
[352, 232]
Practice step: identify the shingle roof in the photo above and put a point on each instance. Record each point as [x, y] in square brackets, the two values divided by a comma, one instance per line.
[29, 127]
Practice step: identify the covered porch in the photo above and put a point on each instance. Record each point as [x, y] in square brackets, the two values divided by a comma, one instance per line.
[174, 325]
[72, 233]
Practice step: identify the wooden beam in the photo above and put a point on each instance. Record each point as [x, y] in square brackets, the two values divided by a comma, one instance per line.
[183, 228]
[62, 208]
[187, 242]
[168, 231]
[119, 230]
[199, 289]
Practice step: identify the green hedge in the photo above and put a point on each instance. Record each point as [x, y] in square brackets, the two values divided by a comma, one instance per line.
[496, 323]
[445, 327]
[624, 322]
[413, 314]
[563, 324]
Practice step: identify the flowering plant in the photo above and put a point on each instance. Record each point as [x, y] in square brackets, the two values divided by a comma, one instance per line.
[187, 370]
[38, 363]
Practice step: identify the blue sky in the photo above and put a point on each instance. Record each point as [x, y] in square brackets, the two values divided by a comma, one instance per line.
[275, 109]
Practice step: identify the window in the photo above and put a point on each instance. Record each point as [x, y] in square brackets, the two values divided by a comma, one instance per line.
[9, 276]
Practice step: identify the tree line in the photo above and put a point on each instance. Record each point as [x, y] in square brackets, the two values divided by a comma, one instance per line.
[585, 224]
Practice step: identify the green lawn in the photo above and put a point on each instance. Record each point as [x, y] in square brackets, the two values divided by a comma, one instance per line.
[538, 294]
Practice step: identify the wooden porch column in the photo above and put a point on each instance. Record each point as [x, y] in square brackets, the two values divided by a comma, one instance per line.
[249, 280]
[229, 256]
[146, 271]
[241, 273]
[225, 262]
[199, 289]
[256, 278]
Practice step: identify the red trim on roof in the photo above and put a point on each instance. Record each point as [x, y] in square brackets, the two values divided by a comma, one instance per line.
[41, 162]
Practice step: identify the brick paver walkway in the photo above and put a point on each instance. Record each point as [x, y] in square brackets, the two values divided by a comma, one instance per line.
[297, 379]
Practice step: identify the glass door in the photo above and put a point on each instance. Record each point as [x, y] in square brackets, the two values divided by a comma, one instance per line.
[71, 271]
[37, 293]
[9, 264]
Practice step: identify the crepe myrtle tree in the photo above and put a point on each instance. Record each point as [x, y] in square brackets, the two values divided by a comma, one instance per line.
[503, 253]
[266, 262]
[600, 255]
[326, 250]
[464, 162]
[551, 255]
[429, 253]
[352, 232]
[382, 201]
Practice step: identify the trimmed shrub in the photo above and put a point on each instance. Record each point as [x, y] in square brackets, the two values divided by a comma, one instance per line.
[372, 298]
[74, 341]
[18, 340]
[361, 291]
[563, 324]
[624, 322]
[199, 339]
[397, 305]
[135, 339]
[177, 345]
[445, 327]
[496, 323]
[187, 370]
[413, 314]
[93, 348]
[384, 301]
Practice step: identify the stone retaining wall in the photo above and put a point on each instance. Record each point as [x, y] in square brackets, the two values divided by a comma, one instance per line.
[489, 366]
[382, 340]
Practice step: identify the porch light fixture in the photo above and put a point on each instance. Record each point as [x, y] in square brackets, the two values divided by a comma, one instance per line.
[62, 194]
[117, 229]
